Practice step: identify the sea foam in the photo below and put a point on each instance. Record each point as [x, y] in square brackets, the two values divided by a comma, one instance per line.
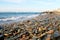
[14, 18]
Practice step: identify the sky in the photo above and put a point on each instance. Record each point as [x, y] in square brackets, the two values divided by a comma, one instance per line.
[28, 5]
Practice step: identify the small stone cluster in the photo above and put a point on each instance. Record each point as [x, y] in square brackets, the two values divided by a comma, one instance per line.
[34, 29]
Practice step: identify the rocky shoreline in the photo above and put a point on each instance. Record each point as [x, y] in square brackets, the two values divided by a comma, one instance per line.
[43, 27]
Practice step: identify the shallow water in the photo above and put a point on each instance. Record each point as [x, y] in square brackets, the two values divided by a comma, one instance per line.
[16, 16]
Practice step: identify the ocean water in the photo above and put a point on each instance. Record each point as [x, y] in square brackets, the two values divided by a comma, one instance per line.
[16, 16]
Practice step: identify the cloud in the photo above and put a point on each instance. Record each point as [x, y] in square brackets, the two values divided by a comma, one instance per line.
[28, 5]
[36, 1]
[47, 2]
[23, 9]
[13, 1]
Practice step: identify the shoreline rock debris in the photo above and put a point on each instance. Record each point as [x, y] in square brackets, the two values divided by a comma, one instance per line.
[42, 27]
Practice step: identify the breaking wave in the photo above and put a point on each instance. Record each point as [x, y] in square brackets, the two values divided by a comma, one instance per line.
[14, 18]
